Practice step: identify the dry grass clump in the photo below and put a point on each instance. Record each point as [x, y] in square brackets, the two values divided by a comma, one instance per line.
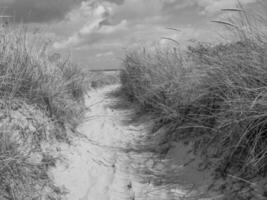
[235, 85]
[57, 87]
[155, 79]
[214, 95]
[23, 162]
[40, 100]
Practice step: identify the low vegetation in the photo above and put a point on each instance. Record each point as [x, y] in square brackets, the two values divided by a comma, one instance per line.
[41, 101]
[214, 96]
[101, 79]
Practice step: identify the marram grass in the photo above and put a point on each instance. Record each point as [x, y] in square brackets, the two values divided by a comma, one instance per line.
[214, 95]
[40, 101]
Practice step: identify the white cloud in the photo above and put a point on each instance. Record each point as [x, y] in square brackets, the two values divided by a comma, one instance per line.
[99, 27]
[112, 29]
[96, 27]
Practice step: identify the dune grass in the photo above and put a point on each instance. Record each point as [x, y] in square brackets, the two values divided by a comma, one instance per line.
[212, 95]
[26, 73]
[101, 79]
[40, 101]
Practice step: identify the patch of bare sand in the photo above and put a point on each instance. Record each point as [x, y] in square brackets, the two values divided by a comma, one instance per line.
[103, 166]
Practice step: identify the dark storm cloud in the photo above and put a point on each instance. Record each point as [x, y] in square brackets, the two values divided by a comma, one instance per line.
[38, 10]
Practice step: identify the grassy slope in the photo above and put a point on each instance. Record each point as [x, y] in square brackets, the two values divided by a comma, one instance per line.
[215, 96]
[40, 100]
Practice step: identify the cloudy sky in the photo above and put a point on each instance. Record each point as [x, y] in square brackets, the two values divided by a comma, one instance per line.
[96, 33]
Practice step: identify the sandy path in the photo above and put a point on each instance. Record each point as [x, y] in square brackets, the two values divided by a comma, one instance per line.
[97, 169]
